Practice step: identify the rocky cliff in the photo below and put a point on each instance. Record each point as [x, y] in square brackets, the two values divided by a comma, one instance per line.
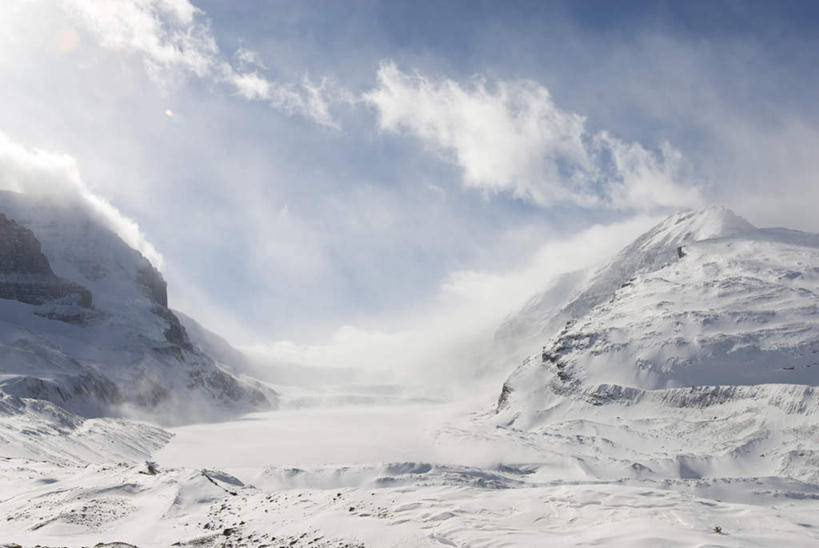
[84, 323]
[25, 273]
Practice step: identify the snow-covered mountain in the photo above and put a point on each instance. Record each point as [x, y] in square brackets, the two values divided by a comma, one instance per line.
[705, 328]
[574, 294]
[85, 323]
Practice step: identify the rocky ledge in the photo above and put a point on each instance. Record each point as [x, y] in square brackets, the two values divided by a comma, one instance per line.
[25, 273]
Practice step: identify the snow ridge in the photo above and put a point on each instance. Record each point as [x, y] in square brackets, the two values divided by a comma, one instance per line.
[703, 317]
[573, 295]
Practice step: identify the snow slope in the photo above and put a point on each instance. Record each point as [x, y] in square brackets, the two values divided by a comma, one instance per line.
[737, 310]
[700, 362]
[126, 354]
[540, 318]
[39, 430]
[574, 294]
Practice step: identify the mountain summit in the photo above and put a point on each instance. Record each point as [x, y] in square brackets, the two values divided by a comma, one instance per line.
[85, 323]
[701, 312]
[574, 294]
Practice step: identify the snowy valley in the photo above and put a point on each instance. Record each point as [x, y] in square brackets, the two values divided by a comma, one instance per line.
[667, 397]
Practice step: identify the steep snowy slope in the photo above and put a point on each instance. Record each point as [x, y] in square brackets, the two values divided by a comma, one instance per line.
[540, 318]
[104, 342]
[706, 355]
[576, 293]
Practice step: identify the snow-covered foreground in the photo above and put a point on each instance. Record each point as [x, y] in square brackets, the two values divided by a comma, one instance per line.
[397, 475]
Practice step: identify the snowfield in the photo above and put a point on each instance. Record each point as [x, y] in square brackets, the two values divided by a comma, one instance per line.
[213, 490]
[669, 398]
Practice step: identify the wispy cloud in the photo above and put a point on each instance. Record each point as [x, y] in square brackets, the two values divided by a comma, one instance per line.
[505, 136]
[34, 171]
[510, 136]
[450, 338]
[175, 40]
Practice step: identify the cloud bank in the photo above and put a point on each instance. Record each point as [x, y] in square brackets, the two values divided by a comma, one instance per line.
[34, 171]
[510, 136]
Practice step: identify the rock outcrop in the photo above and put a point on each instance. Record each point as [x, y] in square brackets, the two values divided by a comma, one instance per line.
[25, 273]
[128, 355]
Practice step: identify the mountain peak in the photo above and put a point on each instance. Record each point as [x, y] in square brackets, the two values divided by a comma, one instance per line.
[577, 293]
[659, 246]
[128, 354]
[713, 221]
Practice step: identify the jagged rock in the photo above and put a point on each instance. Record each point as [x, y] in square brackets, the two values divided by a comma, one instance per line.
[503, 399]
[227, 386]
[175, 333]
[132, 355]
[20, 251]
[154, 284]
[25, 273]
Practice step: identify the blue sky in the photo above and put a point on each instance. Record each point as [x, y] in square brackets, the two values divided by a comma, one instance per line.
[306, 166]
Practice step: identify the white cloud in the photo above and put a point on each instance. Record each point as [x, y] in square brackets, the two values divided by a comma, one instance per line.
[174, 39]
[510, 136]
[34, 171]
[642, 179]
[248, 58]
[168, 33]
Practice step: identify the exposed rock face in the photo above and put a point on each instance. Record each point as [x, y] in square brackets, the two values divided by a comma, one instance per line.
[175, 334]
[129, 355]
[155, 287]
[25, 273]
[20, 251]
[153, 283]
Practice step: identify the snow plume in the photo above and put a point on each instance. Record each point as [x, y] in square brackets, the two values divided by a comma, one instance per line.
[444, 343]
[510, 136]
[174, 38]
[38, 172]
